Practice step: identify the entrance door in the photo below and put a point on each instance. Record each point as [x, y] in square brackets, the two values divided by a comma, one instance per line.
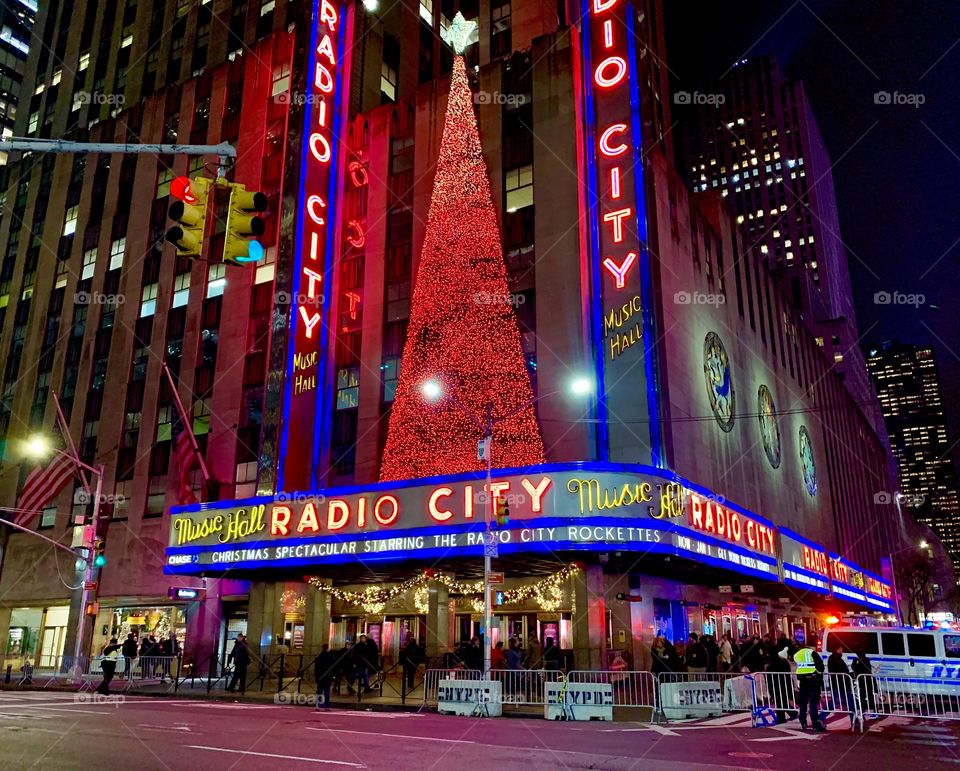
[51, 645]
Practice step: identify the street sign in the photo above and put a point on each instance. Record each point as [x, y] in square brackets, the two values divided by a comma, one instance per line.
[490, 545]
[482, 446]
[90, 585]
[495, 578]
[184, 593]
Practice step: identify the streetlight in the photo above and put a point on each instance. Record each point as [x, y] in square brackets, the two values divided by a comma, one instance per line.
[433, 391]
[39, 447]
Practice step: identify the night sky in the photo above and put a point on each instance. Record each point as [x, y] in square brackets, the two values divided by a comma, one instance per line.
[897, 183]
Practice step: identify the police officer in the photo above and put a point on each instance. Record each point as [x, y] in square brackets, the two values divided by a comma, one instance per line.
[810, 675]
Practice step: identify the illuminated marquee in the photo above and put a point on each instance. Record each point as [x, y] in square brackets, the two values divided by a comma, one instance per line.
[618, 258]
[709, 516]
[315, 218]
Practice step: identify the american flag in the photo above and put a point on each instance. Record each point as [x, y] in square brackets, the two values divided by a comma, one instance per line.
[184, 461]
[42, 484]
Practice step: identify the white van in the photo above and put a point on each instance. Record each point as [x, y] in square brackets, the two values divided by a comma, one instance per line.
[905, 652]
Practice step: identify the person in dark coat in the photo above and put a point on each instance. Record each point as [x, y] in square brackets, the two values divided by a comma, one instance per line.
[551, 656]
[868, 693]
[839, 686]
[324, 669]
[410, 661]
[696, 654]
[240, 657]
[129, 652]
[109, 665]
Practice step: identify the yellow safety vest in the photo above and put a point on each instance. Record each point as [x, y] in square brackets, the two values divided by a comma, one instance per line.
[804, 659]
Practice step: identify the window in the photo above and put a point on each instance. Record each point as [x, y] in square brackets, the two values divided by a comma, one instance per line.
[70, 221]
[348, 388]
[163, 182]
[84, 61]
[519, 186]
[426, 11]
[89, 263]
[951, 646]
[390, 370]
[388, 81]
[34, 122]
[181, 290]
[281, 79]
[892, 643]
[117, 248]
[215, 279]
[148, 300]
[500, 30]
[48, 517]
[922, 645]
[855, 642]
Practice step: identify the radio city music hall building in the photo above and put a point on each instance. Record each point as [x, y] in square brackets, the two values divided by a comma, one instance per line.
[718, 477]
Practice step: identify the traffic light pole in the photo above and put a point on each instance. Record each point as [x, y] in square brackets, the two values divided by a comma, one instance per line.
[88, 574]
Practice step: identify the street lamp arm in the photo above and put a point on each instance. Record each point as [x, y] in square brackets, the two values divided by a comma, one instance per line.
[522, 407]
[469, 413]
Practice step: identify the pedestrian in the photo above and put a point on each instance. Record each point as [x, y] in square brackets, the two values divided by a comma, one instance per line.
[109, 665]
[534, 655]
[169, 650]
[810, 675]
[713, 652]
[551, 656]
[324, 669]
[240, 657]
[659, 660]
[696, 654]
[473, 655]
[410, 660]
[862, 669]
[498, 657]
[129, 653]
[514, 654]
[726, 653]
[839, 685]
[345, 668]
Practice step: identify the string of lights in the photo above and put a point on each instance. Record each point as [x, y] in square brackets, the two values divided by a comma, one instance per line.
[548, 591]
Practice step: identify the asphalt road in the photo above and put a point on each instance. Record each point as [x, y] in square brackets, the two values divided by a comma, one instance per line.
[60, 731]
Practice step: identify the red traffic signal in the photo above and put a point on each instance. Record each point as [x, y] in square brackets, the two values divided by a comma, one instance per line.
[180, 188]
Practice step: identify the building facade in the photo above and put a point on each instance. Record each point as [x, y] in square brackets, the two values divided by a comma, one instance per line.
[16, 28]
[911, 396]
[756, 142]
[720, 478]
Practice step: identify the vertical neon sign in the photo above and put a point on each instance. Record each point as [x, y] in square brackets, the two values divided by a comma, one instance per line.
[315, 229]
[622, 303]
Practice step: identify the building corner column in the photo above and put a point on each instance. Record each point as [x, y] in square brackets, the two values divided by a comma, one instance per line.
[589, 618]
[438, 623]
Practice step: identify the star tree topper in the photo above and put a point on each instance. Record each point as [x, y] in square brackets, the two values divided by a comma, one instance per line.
[461, 34]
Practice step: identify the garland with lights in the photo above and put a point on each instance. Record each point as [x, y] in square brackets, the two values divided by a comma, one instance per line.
[463, 331]
[548, 592]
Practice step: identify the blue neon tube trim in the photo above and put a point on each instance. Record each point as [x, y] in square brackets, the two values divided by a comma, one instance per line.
[298, 257]
[596, 286]
[646, 280]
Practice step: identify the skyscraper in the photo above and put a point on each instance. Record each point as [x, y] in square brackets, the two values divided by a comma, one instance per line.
[911, 397]
[16, 25]
[757, 142]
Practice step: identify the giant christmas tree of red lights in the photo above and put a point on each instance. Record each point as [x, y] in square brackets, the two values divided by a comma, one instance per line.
[463, 332]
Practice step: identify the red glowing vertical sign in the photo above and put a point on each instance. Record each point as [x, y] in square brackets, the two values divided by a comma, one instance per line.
[315, 222]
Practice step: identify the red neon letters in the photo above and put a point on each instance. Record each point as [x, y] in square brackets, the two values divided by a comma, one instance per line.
[710, 517]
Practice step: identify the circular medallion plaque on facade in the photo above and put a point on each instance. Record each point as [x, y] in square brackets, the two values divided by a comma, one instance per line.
[716, 373]
[807, 462]
[769, 430]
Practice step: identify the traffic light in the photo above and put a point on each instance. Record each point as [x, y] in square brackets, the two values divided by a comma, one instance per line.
[189, 211]
[239, 246]
[99, 560]
[503, 512]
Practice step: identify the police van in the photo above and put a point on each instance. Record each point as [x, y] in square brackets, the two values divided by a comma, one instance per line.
[900, 652]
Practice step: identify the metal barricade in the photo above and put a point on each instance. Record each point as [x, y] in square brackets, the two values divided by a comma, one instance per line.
[432, 678]
[777, 697]
[631, 688]
[520, 687]
[885, 696]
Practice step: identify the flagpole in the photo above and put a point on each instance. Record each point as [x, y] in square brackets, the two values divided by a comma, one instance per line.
[186, 424]
[68, 438]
